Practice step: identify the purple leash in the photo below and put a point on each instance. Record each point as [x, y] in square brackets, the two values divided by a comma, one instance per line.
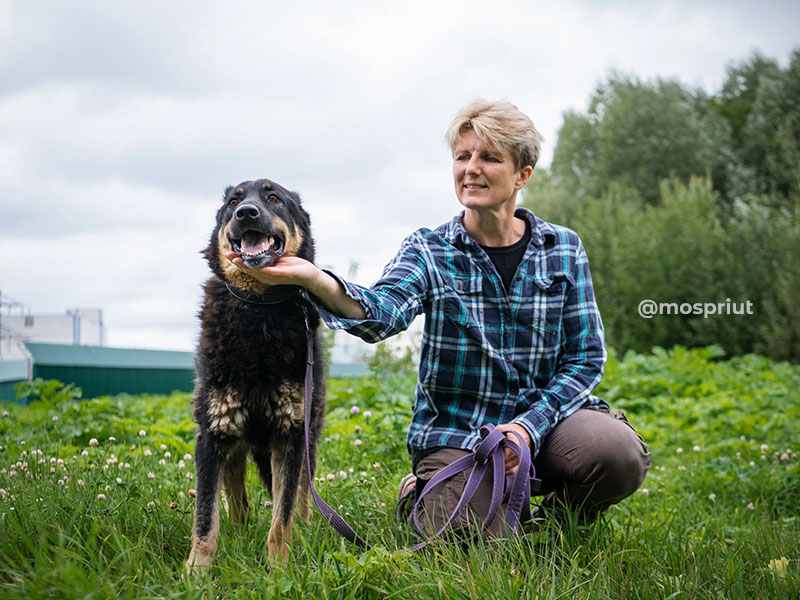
[514, 489]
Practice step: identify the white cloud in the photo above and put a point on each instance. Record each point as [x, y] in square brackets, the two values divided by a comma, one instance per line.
[122, 123]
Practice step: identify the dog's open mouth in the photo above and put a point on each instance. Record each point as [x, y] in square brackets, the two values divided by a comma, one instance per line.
[258, 249]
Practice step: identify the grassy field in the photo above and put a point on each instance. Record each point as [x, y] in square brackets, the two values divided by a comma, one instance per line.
[96, 499]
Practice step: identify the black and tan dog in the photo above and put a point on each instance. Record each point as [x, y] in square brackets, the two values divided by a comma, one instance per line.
[251, 364]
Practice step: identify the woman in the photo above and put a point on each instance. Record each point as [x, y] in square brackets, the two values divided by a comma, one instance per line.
[512, 333]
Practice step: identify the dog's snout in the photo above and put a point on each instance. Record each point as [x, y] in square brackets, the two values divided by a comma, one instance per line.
[247, 211]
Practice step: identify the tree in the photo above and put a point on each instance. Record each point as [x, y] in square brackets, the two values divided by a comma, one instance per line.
[761, 103]
[639, 134]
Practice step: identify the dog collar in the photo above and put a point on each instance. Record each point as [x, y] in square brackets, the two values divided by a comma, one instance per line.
[276, 294]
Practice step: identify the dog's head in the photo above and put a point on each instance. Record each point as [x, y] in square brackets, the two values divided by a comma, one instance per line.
[261, 221]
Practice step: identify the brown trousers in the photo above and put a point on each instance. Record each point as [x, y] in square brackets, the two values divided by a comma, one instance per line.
[590, 460]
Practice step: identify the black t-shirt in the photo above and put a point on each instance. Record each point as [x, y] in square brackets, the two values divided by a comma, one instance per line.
[506, 259]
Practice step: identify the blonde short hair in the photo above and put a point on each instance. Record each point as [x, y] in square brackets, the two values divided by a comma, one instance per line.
[501, 126]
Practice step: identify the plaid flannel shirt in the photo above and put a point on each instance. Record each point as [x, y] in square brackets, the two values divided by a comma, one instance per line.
[531, 355]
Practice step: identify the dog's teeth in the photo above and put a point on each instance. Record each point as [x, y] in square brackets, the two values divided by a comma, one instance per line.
[271, 241]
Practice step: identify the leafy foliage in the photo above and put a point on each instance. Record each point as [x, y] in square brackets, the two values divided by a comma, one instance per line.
[684, 198]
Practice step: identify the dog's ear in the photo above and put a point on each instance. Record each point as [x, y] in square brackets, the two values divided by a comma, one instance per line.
[298, 212]
[227, 191]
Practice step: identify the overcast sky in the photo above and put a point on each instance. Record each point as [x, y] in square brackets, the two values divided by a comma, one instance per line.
[122, 122]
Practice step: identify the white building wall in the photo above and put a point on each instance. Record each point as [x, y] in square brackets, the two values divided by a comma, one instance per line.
[80, 326]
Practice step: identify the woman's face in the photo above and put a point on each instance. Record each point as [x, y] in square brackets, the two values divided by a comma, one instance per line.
[485, 178]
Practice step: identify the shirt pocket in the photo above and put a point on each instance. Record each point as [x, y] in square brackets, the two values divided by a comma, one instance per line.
[462, 303]
[545, 306]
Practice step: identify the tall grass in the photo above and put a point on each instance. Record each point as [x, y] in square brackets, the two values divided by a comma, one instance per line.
[716, 517]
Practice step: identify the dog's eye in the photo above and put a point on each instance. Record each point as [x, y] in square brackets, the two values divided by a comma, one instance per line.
[272, 198]
[233, 201]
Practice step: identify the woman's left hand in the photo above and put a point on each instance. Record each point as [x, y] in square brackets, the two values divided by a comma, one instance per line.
[512, 461]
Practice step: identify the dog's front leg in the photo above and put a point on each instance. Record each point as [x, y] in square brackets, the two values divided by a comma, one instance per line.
[286, 472]
[205, 531]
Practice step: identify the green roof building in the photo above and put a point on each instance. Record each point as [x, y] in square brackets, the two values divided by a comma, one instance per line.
[99, 370]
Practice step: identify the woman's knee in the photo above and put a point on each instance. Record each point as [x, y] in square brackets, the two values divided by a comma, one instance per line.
[620, 463]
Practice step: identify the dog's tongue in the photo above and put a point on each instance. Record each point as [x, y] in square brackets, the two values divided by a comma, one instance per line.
[253, 244]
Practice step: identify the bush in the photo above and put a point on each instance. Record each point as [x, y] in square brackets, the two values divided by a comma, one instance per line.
[682, 250]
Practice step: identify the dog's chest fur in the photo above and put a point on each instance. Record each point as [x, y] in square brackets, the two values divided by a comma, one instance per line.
[252, 360]
[233, 414]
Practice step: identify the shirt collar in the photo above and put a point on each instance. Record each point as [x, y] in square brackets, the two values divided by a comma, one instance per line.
[455, 232]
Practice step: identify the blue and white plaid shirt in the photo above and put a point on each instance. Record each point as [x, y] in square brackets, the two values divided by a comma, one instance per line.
[531, 355]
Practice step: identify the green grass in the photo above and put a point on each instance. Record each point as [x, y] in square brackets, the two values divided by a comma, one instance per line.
[717, 513]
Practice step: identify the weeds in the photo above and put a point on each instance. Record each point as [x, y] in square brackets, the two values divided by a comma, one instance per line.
[96, 499]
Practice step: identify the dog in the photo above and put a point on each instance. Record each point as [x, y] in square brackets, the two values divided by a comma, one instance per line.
[251, 364]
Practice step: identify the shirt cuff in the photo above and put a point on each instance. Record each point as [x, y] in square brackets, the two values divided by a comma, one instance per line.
[538, 425]
[334, 321]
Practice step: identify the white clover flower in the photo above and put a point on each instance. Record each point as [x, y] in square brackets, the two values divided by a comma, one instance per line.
[93, 442]
[181, 464]
[712, 497]
[192, 493]
[645, 491]
[750, 506]
[167, 454]
[119, 479]
[85, 453]
[784, 456]
[187, 457]
[148, 453]
[163, 447]
[367, 414]
[142, 433]
[55, 419]
[679, 450]
[355, 410]
[331, 477]
[101, 496]
[357, 442]
[111, 438]
[151, 475]
[764, 447]
[151, 504]
[162, 462]
[81, 482]
[696, 448]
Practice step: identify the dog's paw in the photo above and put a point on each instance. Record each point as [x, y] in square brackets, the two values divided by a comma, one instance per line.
[197, 563]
